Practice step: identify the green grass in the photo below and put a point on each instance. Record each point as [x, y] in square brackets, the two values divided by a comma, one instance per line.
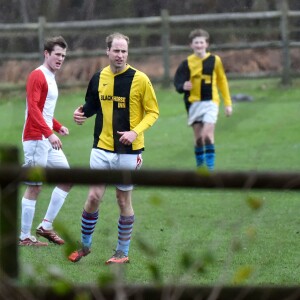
[188, 236]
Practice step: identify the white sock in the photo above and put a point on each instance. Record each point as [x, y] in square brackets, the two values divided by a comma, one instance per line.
[28, 209]
[57, 200]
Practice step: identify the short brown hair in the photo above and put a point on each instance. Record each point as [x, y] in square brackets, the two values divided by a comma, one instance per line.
[116, 35]
[51, 42]
[198, 33]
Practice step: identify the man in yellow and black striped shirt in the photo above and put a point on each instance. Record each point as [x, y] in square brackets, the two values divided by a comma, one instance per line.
[125, 105]
[200, 77]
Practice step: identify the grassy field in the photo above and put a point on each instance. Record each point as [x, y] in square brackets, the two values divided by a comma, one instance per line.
[188, 236]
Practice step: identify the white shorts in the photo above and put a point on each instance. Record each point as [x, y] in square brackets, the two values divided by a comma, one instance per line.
[104, 160]
[203, 111]
[40, 153]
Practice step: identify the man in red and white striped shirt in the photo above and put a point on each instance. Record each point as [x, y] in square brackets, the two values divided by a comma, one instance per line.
[42, 147]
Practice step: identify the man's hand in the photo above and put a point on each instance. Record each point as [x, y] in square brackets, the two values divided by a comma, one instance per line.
[78, 116]
[187, 86]
[63, 130]
[55, 141]
[228, 111]
[127, 137]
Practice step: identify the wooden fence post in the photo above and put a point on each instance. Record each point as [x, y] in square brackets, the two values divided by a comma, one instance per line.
[8, 217]
[284, 29]
[166, 47]
[41, 35]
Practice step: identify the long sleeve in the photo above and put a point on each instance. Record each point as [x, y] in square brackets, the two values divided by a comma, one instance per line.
[222, 82]
[150, 107]
[182, 75]
[36, 93]
[92, 101]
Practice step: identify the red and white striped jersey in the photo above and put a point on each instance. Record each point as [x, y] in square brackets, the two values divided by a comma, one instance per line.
[41, 97]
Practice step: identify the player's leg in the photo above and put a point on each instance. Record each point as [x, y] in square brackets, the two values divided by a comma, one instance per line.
[126, 218]
[99, 159]
[199, 143]
[209, 145]
[27, 215]
[208, 131]
[89, 219]
[125, 227]
[35, 154]
[90, 214]
[56, 159]
[195, 119]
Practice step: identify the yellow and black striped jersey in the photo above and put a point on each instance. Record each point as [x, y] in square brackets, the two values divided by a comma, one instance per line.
[122, 102]
[207, 76]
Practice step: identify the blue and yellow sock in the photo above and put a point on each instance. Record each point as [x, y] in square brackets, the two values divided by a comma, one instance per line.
[199, 155]
[88, 223]
[210, 156]
[125, 226]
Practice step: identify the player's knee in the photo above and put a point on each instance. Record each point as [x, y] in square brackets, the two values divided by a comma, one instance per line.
[38, 189]
[122, 203]
[123, 200]
[208, 140]
[65, 187]
[33, 191]
[199, 142]
[94, 199]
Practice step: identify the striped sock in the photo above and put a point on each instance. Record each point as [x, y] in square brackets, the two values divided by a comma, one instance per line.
[125, 226]
[199, 154]
[88, 223]
[210, 156]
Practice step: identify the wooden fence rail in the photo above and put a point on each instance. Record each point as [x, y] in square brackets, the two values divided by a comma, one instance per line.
[163, 178]
[167, 26]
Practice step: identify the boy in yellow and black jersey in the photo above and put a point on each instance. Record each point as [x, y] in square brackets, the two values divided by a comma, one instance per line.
[201, 77]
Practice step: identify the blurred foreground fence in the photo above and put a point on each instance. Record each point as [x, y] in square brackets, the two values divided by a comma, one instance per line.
[11, 175]
[163, 35]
